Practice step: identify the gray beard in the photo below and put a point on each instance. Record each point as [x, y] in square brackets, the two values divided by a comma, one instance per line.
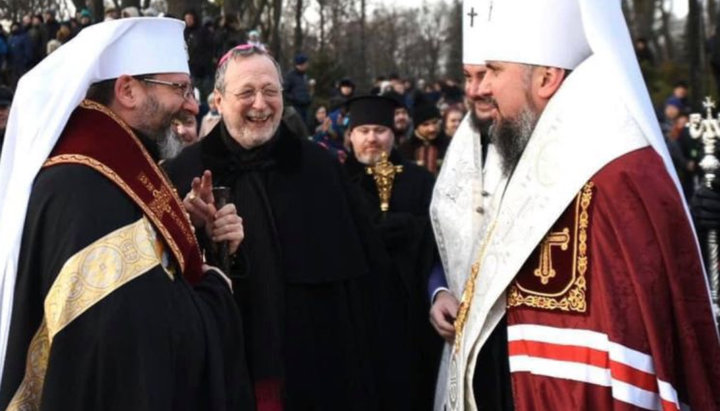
[511, 137]
[169, 145]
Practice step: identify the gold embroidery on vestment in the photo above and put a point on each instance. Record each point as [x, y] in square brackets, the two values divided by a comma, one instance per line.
[110, 174]
[84, 280]
[573, 296]
[469, 291]
[545, 269]
[92, 105]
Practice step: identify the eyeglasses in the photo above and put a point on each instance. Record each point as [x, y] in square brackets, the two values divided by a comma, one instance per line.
[248, 95]
[187, 89]
[241, 49]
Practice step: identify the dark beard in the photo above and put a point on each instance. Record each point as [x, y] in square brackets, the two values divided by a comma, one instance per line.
[511, 136]
[156, 119]
[478, 125]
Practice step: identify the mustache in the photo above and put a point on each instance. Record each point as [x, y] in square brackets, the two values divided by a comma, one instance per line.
[486, 99]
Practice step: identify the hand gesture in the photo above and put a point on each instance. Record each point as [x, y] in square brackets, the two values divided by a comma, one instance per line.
[199, 202]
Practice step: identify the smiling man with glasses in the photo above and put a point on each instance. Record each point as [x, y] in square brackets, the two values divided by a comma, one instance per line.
[319, 333]
[186, 89]
[106, 300]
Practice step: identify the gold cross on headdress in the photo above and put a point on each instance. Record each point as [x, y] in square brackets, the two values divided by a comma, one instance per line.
[384, 173]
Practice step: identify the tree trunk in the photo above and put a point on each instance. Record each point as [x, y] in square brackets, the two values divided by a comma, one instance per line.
[79, 5]
[298, 26]
[178, 7]
[711, 14]
[363, 83]
[643, 13]
[695, 43]
[131, 3]
[669, 42]
[98, 10]
[232, 7]
[321, 3]
[453, 67]
[275, 45]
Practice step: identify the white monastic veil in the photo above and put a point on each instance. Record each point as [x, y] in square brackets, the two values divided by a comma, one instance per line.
[43, 102]
[609, 37]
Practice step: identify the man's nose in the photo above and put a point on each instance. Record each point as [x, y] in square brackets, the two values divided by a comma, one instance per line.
[191, 106]
[259, 102]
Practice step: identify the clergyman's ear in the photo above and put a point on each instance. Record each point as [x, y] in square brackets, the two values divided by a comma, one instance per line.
[218, 96]
[126, 93]
[552, 78]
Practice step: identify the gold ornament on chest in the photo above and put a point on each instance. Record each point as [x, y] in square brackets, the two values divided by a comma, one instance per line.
[384, 173]
[555, 276]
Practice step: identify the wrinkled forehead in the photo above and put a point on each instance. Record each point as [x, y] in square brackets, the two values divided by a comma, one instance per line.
[252, 71]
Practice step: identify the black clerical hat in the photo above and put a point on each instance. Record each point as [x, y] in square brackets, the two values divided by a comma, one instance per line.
[372, 110]
[425, 112]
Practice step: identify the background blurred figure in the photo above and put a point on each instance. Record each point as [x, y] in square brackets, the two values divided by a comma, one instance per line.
[6, 96]
[20, 52]
[451, 121]
[295, 86]
[211, 119]
[425, 147]
[326, 136]
[185, 128]
[254, 39]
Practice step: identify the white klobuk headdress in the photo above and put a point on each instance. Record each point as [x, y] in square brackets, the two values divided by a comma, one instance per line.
[601, 112]
[45, 98]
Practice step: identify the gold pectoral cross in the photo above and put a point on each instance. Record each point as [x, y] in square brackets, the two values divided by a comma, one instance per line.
[384, 173]
[545, 269]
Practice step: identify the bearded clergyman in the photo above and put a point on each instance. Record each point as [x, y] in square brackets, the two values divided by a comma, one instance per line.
[585, 289]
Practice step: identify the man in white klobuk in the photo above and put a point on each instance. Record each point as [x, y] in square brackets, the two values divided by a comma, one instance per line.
[464, 190]
[587, 289]
[106, 302]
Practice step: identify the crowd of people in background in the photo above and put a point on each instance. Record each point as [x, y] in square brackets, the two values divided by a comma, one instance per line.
[322, 119]
[330, 265]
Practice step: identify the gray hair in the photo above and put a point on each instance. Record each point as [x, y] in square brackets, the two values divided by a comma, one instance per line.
[238, 53]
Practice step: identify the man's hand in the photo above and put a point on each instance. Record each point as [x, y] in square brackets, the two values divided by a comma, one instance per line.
[199, 202]
[227, 226]
[705, 207]
[443, 313]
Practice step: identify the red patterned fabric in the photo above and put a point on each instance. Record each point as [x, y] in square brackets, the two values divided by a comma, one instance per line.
[144, 182]
[426, 156]
[646, 338]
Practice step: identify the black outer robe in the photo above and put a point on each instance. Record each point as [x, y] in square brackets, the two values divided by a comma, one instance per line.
[341, 317]
[152, 344]
[408, 239]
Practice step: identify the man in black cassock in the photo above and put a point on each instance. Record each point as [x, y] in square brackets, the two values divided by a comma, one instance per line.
[113, 307]
[319, 330]
[404, 227]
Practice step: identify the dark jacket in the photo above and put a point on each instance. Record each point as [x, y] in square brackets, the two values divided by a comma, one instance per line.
[296, 88]
[340, 301]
